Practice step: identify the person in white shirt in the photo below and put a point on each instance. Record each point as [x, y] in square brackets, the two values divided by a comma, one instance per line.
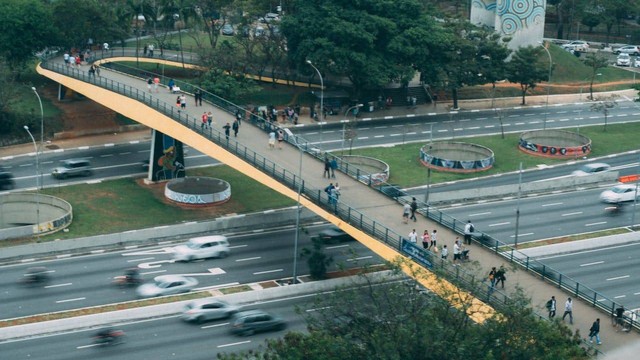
[468, 230]
[434, 238]
[457, 251]
[413, 237]
[445, 252]
[568, 310]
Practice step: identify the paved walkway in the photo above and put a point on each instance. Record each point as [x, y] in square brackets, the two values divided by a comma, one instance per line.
[377, 206]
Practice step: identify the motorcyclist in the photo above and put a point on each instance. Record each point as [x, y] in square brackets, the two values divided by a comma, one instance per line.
[36, 275]
[105, 335]
[132, 275]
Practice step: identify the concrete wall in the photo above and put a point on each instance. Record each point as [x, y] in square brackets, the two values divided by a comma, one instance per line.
[46, 213]
[527, 188]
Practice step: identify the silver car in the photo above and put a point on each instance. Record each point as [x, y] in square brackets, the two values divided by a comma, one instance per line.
[202, 310]
[72, 167]
[619, 193]
[167, 285]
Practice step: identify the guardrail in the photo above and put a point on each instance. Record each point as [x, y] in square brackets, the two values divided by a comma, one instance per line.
[353, 216]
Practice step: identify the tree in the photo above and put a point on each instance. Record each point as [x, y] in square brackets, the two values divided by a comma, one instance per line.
[25, 27]
[527, 68]
[77, 21]
[604, 105]
[317, 260]
[595, 62]
[400, 320]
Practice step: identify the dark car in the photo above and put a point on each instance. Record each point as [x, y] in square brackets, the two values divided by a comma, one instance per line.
[6, 180]
[334, 235]
[392, 191]
[250, 322]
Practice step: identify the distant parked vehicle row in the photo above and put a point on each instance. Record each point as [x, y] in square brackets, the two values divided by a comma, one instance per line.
[627, 49]
[577, 45]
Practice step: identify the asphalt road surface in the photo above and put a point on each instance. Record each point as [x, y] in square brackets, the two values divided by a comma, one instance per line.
[86, 280]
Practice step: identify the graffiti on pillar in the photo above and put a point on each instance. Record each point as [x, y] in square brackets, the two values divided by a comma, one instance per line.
[519, 14]
[167, 159]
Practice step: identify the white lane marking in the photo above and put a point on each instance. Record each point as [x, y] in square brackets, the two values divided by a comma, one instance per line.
[166, 250]
[573, 213]
[597, 223]
[87, 346]
[395, 134]
[593, 263]
[153, 272]
[638, 293]
[267, 271]
[363, 138]
[500, 224]
[552, 204]
[520, 235]
[234, 344]
[57, 285]
[619, 296]
[378, 136]
[216, 271]
[480, 214]
[107, 155]
[143, 259]
[249, 259]
[360, 258]
[336, 247]
[618, 277]
[69, 300]
[214, 325]
[482, 118]
[63, 256]
[155, 264]
[27, 260]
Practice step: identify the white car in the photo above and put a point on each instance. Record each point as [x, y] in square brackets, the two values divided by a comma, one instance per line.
[167, 285]
[593, 168]
[619, 193]
[215, 246]
[202, 310]
[636, 62]
[627, 49]
[623, 60]
[578, 45]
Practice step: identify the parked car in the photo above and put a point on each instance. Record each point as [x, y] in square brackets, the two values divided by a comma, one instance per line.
[627, 49]
[202, 310]
[254, 321]
[623, 60]
[334, 235]
[72, 167]
[619, 193]
[593, 168]
[215, 246]
[227, 29]
[258, 31]
[577, 45]
[167, 285]
[269, 17]
[6, 180]
[636, 62]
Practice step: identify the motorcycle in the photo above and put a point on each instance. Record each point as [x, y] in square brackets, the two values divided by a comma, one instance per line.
[614, 209]
[125, 281]
[109, 338]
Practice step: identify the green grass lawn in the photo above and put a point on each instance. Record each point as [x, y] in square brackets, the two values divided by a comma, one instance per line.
[126, 204]
[407, 171]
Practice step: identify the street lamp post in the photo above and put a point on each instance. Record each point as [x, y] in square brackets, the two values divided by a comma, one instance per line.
[518, 207]
[35, 146]
[41, 128]
[344, 129]
[298, 209]
[321, 96]
[546, 110]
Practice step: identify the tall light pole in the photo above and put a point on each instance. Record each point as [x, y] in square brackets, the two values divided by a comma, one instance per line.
[518, 206]
[321, 96]
[298, 208]
[546, 110]
[41, 127]
[344, 129]
[35, 146]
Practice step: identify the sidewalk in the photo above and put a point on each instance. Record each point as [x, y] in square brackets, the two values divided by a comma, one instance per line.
[378, 207]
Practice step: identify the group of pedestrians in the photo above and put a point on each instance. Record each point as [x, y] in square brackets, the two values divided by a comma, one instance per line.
[330, 167]
[594, 330]
[333, 193]
[496, 276]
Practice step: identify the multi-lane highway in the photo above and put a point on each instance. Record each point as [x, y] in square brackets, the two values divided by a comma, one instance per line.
[163, 338]
[86, 280]
[612, 271]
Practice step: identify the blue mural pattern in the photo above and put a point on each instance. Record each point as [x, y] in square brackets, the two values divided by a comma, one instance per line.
[519, 14]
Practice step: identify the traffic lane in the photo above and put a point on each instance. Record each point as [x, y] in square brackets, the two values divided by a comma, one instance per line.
[87, 280]
[165, 338]
[541, 217]
[468, 123]
[612, 271]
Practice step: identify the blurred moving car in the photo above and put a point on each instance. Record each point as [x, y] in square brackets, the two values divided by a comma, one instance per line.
[227, 29]
[577, 45]
[6, 180]
[202, 310]
[167, 285]
[334, 235]
[72, 167]
[35, 275]
[392, 191]
[254, 321]
[214, 246]
[627, 49]
[619, 193]
[593, 168]
[623, 60]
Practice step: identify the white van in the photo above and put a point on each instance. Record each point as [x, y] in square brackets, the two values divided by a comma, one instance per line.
[214, 246]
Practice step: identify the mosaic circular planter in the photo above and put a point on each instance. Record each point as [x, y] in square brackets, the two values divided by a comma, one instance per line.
[368, 168]
[198, 191]
[459, 157]
[554, 143]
